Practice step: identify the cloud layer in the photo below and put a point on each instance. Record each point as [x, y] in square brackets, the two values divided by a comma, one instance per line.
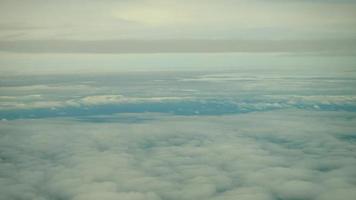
[259, 156]
[178, 93]
[334, 46]
[267, 133]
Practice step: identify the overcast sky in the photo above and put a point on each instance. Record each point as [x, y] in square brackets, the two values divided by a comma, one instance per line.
[172, 19]
[41, 27]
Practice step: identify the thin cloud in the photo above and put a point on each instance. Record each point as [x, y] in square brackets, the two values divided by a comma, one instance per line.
[174, 46]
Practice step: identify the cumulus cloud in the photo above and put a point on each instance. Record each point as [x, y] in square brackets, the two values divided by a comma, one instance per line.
[257, 156]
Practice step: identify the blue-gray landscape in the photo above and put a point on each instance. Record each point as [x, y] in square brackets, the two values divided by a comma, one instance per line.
[177, 100]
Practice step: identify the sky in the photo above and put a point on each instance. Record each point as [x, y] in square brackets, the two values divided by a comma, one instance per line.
[172, 19]
[56, 37]
[38, 29]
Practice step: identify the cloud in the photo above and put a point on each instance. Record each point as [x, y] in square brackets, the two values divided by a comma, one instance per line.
[270, 155]
[116, 99]
[339, 46]
[96, 105]
[27, 102]
[19, 26]
[177, 93]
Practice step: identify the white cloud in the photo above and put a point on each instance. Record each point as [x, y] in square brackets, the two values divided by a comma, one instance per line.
[116, 99]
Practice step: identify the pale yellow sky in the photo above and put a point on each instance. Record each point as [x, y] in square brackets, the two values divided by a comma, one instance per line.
[176, 19]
